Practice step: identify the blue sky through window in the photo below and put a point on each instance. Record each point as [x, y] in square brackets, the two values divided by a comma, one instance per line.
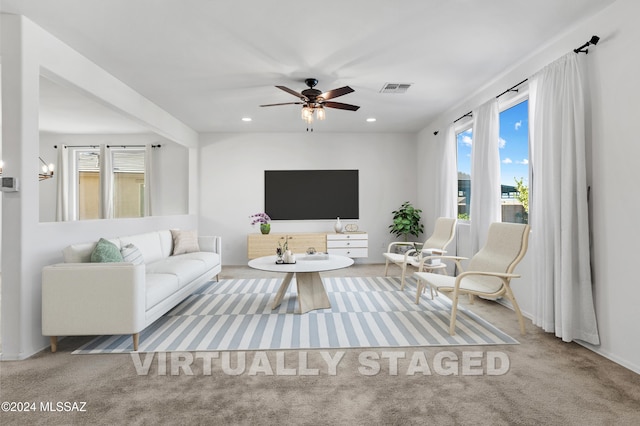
[514, 146]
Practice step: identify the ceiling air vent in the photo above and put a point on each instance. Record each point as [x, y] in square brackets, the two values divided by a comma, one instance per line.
[395, 87]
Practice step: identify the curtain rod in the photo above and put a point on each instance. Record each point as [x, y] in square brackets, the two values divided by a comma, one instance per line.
[510, 89]
[582, 49]
[109, 146]
[132, 146]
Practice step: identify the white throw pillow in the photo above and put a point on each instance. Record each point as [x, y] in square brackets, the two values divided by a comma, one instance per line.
[130, 253]
[184, 242]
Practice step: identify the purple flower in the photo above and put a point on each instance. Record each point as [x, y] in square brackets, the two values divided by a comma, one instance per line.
[259, 218]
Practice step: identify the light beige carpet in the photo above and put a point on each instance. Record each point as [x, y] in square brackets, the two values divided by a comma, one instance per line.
[548, 383]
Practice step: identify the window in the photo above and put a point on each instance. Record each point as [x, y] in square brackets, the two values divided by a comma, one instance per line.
[87, 166]
[128, 182]
[464, 139]
[514, 163]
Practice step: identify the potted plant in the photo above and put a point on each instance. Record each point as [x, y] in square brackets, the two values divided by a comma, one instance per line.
[406, 221]
[263, 219]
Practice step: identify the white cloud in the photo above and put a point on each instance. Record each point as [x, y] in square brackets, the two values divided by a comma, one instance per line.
[507, 161]
[502, 143]
[467, 140]
[524, 161]
[518, 125]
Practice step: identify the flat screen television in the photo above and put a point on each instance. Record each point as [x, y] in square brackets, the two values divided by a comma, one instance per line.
[311, 194]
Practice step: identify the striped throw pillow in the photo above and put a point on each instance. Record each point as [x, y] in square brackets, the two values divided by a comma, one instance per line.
[131, 253]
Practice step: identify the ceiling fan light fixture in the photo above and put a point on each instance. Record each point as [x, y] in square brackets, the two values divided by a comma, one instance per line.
[314, 101]
[307, 114]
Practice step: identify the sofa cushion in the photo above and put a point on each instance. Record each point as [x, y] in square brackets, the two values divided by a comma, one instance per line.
[184, 242]
[130, 253]
[105, 251]
[158, 287]
[210, 260]
[81, 252]
[186, 270]
[78, 253]
[166, 241]
[148, 244]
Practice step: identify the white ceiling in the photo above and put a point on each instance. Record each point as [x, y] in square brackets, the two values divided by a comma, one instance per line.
[210, 63]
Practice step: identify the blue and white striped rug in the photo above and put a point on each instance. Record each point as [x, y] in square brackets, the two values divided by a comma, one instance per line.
[236, 314]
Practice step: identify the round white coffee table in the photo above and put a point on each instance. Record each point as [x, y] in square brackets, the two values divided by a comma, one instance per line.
[311, 292]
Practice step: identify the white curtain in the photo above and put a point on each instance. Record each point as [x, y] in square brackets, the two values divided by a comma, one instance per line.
[563, 300]
[148, 179]
[106, 183]
[447, 186]
[485, 173]
[62, 185]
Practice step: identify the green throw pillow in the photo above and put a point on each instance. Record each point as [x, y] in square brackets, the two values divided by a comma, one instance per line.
[106, 251]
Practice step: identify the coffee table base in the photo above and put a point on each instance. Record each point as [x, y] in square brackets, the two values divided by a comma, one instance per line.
[311, 292]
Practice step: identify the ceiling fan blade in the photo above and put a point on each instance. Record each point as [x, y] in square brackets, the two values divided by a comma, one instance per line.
[286, 103]
[336, 92]
[293, 92]
[340, 105]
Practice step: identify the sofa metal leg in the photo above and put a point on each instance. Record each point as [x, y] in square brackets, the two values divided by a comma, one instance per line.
[136, 338]
[54, 343]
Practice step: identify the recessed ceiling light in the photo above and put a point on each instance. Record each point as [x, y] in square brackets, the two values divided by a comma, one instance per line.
[246, 118]
[371, 119]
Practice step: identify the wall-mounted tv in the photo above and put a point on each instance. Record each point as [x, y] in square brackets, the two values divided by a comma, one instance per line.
[311, 194]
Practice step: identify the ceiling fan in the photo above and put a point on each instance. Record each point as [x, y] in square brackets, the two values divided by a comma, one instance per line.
[313, 100]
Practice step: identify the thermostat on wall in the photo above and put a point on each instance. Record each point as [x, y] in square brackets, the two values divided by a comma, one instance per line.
[9, 184]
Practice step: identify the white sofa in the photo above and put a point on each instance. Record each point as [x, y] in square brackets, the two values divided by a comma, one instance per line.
[82, 298]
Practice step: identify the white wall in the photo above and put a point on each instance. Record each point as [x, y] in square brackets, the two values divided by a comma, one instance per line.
[613, 68]
[232, 181]
[28, 51]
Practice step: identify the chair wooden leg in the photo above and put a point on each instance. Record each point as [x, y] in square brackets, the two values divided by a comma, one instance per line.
[516, 308]
[136, 338]
[420, 286]
[54, 343]
[404, 271]
[386, 267]
[454, 311]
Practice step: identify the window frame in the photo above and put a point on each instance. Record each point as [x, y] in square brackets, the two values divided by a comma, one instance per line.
[74, 177]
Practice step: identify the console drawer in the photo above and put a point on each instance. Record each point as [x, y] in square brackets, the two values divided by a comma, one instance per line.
[350, 252]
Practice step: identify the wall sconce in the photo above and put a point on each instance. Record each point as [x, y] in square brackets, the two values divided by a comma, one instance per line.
[46, 173]
[47, 170]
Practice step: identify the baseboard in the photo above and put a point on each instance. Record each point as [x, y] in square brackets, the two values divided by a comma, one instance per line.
[504, 302]
[622, 362]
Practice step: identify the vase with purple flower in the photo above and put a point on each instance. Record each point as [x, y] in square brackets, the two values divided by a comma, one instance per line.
[263, 219]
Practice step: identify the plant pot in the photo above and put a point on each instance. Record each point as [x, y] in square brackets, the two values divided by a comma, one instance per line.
[265, 228]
